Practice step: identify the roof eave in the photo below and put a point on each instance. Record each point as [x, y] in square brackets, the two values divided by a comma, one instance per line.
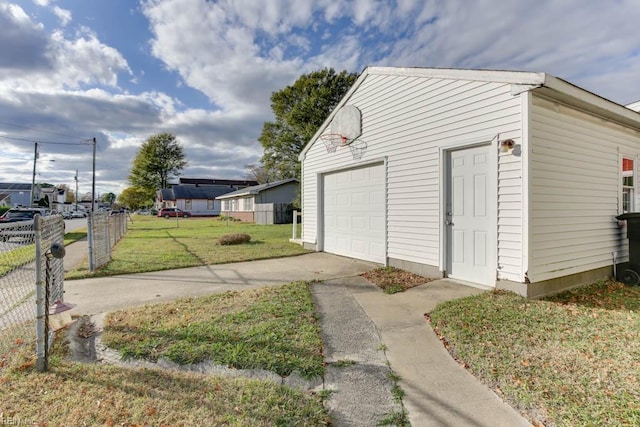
[582, 98]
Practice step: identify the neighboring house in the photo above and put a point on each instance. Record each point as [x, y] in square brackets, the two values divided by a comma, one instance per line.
[235, 184]
[197, 195]
[57, 199]
[198, 200]
[252, 204]
[495, 178]
[14, 194]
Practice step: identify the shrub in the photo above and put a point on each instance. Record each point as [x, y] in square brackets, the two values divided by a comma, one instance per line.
[234, 239]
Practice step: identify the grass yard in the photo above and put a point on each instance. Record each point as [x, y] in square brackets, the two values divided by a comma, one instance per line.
[274, 328]
[21, 255]
[74, 394]
[268, 328]
[573, 359]
[154, 244]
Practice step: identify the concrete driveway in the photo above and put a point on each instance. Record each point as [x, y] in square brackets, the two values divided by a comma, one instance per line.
[98, 295]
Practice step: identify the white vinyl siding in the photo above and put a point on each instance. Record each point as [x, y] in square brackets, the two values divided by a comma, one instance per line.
[406, 120]
[575, 190]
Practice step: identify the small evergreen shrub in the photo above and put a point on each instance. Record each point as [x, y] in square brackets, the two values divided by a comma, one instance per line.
[234, 239]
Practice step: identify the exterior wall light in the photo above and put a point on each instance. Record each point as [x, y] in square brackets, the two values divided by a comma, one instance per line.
[506, 145]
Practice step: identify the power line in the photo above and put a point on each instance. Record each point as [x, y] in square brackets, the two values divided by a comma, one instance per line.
[45, 142]
[39, 130]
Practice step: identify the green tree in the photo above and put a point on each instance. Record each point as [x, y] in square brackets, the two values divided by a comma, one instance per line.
[136, 197]
[160, 158]
[299, 111]
[108, 198]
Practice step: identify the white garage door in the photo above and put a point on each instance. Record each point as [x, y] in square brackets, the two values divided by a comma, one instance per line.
[354, 213]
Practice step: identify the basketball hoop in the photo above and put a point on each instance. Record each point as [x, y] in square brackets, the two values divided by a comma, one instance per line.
[332, 141]
[358, 147]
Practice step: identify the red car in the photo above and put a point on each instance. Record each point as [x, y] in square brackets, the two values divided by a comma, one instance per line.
[173, 212]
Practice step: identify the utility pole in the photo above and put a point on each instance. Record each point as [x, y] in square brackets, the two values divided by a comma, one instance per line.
[93, 180]
[76, 178]
[33, 179]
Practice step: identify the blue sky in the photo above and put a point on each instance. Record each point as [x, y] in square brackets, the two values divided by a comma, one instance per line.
[123, 70]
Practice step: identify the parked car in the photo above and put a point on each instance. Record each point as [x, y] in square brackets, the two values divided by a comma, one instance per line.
[19, 231]
[66, 214]
[173, 212]
[78, 214]
[23, 214]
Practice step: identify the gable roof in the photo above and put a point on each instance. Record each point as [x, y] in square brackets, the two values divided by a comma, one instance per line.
[256, 189]
[207, 181]
[14, 186]
[189, 191]
[196, 192]
[545, 84]
[166, 194]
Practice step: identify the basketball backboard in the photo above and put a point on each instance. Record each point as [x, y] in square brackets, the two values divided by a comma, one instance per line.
[347, 122]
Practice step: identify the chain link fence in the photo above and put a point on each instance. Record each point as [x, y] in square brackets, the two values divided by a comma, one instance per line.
[104, 232]
[28, 270]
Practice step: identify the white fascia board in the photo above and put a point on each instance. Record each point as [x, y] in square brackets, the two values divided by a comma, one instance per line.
[603, 105]
[513, 77]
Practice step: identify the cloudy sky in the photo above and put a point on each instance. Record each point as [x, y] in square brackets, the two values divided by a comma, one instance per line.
[120, 70]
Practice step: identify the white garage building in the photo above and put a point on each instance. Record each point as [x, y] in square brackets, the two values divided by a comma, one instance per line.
[496, 178]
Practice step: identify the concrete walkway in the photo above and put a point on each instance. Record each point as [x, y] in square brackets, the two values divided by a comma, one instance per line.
[356, 317]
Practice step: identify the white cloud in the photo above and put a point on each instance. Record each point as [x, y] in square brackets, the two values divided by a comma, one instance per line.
[62, 14]
[237, 52]
[36, 61]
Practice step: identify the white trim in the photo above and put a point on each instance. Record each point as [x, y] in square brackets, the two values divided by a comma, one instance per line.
[515, 77]
[320, 212]
[526, 100]
[601, 106]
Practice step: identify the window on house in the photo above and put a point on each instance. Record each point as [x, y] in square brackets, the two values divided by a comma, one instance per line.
[187, 205]
[209, 205]
[234, 205]
[248, 203]
[225, 205]
[628, 185]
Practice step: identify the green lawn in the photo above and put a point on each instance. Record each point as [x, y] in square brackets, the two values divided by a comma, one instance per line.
[73, 394]
[269, 328]
[21, 255]
[570, 360]
[154, 244]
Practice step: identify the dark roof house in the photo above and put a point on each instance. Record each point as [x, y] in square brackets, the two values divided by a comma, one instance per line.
[253, 204]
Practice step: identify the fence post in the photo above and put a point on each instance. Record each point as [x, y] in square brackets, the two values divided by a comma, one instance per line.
[91, 241]
[295, 224]
[41, 315]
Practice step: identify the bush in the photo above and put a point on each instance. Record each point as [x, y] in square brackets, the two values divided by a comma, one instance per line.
[234, 239]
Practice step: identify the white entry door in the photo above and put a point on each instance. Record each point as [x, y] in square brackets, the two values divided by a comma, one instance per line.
[470, 216]
[354, 207]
